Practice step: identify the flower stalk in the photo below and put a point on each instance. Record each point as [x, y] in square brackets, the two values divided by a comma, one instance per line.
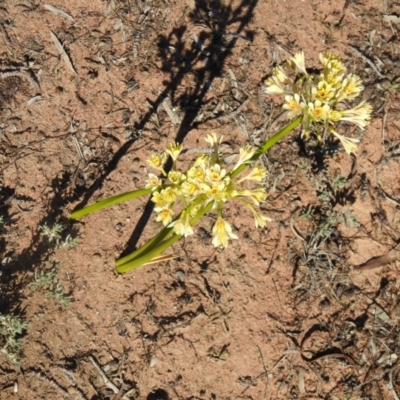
[323, 100]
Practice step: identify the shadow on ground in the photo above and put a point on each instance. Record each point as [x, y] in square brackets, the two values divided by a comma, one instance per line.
[205, 58]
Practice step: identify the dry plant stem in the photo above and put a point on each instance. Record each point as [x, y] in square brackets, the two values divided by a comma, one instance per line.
[108, 383]
[390, 386]
[118, 392]
[381, 261]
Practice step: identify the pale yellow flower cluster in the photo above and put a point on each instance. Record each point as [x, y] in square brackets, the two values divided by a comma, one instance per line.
[322, 100]
[207, 180]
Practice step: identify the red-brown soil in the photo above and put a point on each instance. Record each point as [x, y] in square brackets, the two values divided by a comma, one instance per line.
[285, 312]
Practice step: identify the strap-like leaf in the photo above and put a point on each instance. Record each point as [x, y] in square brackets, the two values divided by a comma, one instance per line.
[119, 198]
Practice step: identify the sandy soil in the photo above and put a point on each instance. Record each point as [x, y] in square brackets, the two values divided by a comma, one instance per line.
[302, 309]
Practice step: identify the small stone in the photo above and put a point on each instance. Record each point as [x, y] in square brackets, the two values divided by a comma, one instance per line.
[180, 275]
[325, 304]
[153, 361]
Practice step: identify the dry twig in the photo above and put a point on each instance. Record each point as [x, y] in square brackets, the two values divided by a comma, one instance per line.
[62, 52]
[58, 12]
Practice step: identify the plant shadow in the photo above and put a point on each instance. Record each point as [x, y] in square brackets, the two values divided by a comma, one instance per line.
[221, 25]
[204, 59]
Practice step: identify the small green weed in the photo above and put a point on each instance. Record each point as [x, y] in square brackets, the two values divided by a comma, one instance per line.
[10, 328]
[54, 234]
[324, 196]
[350, 220]
[49, 280]
[328, 223]
[69, 241]
[306, 213]
[339, 182]
[329, 219]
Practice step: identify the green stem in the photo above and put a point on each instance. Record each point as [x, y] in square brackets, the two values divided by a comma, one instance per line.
[267, 145]
[119, 198]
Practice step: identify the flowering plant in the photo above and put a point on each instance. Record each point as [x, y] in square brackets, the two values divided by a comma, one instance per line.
[206, 182]
[321, 100]
[181, 198]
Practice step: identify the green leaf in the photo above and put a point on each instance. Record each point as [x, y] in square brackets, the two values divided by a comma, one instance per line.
[154, 246]
[119, 198]
[147, 247]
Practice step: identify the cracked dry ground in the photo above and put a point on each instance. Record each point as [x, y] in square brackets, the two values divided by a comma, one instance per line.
[300, 310]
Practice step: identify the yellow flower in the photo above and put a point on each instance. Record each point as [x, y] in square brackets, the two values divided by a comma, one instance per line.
[157, 162]
[174, 149]
[213, 140]
[222, 231]
[359, 115]
[194, 210]
[280, 74]
[164, 197]
[260, 220]
[334, 116]
[169, 195]
[190, 189]
[196, 173]
[216, 193]
[324, 92]
[245, 153]
[165, 215]
[273, 86]
[351, 87]
[299, 62]
[176, 177]
[333, 79]
[274, 83]
[319, 99]
[293, 105]
[215, 174]
[257, 174]
[349, 144]
[256, 195]
[200, 161]
[332, 63]
[159, 199]
[318, 111]
[182, 227]
[153, 182]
